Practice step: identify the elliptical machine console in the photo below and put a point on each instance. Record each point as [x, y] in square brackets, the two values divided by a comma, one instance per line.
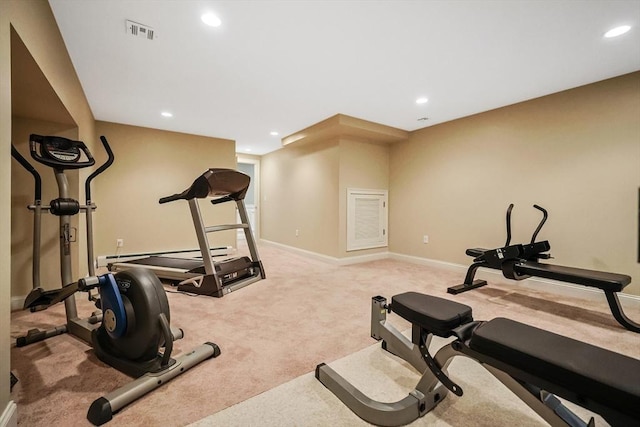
[134, 322]
[60, 152]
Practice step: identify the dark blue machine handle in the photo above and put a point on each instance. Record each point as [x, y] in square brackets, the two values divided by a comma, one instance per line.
[111, 301]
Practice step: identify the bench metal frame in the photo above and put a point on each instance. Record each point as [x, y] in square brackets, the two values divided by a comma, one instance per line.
[429, 391]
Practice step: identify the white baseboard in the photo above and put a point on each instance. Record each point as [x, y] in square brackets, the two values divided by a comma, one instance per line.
[630, 302]
[17, 303]
[326, 258]
[534, 283]
[9, 417]
[428, 262]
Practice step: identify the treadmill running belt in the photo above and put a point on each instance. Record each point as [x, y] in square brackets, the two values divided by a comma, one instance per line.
[170, 262]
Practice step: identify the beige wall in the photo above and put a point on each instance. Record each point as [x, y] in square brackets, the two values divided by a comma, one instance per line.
[150, 164]
[364, 166]
[304, 188]
[576, 153]
[300, 192]
[34, 24]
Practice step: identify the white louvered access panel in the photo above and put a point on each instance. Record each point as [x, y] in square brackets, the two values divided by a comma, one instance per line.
[366, 219]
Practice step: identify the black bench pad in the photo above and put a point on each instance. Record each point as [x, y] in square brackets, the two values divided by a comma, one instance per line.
[436, 315]
[598, 279]
[593, 373]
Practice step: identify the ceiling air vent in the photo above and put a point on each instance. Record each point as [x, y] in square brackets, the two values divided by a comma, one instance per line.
[140, 30]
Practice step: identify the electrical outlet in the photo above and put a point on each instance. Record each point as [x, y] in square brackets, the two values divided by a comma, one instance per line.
[425, 239]
[297, 232]
[119, 243]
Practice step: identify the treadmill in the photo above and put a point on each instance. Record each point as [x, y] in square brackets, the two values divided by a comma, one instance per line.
[206, 276]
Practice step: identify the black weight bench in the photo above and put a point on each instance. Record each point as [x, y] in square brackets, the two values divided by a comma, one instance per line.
[606, 281]
[517, 267]
[535, 364]
[521, 261]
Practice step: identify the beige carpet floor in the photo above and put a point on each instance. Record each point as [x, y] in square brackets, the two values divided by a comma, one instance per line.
[274, 332]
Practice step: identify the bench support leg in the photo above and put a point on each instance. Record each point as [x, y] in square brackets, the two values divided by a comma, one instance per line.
[399, 413]
[618, 313]
[428, 393]
[469, 282]
[392, 339]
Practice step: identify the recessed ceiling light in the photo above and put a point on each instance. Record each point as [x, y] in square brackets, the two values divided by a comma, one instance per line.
[273, 133]
[247, 149]
[211, 20]
[617, 31]
[166, 114]
[422, 100]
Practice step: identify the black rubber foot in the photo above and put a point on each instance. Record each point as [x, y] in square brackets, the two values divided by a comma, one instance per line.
[458, 289]
[100, 412]
[216, 349]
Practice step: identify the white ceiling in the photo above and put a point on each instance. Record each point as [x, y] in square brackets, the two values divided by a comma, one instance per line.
[285, 65]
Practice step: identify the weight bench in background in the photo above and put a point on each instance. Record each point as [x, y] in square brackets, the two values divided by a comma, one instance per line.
[534, 364]
[515, 265]
[521, 261]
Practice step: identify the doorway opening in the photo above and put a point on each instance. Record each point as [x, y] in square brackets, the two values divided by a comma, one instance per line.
[251, 167]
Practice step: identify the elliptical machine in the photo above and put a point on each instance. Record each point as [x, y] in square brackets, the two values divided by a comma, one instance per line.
[134, 322]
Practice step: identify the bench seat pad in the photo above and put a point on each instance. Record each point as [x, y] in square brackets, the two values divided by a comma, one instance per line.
[437, 315]
[612, 282]
[593, 373]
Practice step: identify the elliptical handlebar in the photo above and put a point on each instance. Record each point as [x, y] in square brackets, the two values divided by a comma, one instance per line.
[29, 167]
[102, 168]
[61, 153]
